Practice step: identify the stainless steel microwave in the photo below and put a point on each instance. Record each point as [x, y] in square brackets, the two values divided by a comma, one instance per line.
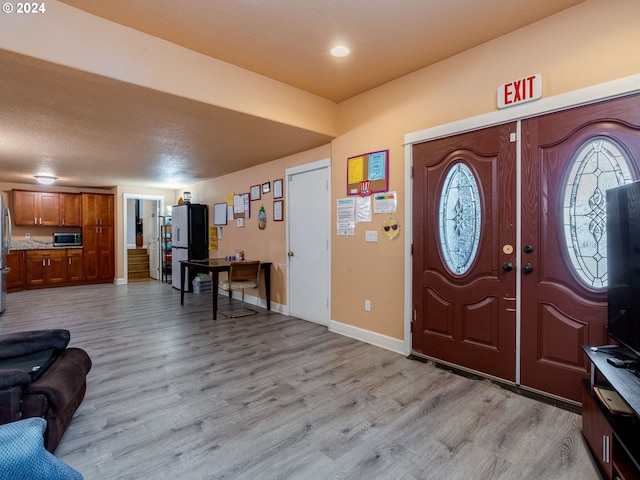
[67, 239]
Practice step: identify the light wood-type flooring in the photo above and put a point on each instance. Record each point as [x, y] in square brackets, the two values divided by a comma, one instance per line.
[176, 395]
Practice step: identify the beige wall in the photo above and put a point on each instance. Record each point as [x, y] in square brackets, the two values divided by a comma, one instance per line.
[592, 43]
[268, 244]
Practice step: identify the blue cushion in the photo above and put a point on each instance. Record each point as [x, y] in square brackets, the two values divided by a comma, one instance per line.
[23, 457]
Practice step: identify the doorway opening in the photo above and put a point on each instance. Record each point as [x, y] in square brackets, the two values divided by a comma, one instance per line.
[141, 220]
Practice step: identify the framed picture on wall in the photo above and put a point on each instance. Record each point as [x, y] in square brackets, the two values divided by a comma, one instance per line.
[277, 211]
[219, 213]
[266, 187]
[277, 188]
[255, 192]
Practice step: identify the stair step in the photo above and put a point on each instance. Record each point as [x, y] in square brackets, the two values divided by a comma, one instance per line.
[138, 272]
[138, 275]
[142, 261]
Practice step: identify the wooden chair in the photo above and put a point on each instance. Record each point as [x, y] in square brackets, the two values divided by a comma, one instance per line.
[242, 275]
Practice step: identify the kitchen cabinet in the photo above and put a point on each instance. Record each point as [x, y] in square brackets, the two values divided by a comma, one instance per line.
[46, 268]
[36, 208]
[74, 265]
[70, 209]
[97, 209]
[98, 237]
[47, 209]
[16, 277]
[98, 253]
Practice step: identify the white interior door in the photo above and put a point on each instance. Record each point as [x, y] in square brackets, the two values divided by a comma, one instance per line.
[308, 214]
[152, 237]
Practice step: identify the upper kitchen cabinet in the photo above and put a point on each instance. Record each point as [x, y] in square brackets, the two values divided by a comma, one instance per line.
[36, 208]
[70, 209]
[97, 209]
[47, 209]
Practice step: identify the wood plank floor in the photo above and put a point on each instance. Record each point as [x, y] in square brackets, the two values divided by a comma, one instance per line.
[175, 395]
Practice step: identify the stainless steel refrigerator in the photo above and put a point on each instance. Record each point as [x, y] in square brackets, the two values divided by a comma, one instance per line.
[189, 238]
[5, 240]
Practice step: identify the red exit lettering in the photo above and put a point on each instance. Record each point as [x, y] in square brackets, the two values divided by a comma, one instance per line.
[519, 91]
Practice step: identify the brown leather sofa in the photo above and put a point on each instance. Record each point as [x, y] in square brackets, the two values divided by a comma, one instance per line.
[41, 377]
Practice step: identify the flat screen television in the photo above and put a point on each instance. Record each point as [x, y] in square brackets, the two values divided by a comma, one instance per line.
[623, 264]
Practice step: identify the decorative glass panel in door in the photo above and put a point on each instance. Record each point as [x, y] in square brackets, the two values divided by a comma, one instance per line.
[598, 165]
[459, 218]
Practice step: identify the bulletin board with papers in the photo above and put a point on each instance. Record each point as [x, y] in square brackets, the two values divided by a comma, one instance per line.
[370, 169]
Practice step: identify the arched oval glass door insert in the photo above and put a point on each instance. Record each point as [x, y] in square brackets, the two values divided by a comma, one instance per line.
[598, 165]
[459, 218]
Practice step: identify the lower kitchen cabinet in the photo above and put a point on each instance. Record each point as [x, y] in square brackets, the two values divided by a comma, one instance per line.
[74, 266]
[46, 268]
[99, 253]
[52, 268]
[16, 277]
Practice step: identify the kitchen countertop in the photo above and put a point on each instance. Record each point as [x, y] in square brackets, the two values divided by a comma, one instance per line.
[37, 245]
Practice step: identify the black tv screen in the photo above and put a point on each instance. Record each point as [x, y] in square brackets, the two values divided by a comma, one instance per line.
[623, 264]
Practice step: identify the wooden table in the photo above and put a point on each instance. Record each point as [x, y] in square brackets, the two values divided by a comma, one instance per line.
[215, 266]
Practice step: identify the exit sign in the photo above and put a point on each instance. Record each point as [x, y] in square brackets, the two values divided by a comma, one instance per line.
[520, 91]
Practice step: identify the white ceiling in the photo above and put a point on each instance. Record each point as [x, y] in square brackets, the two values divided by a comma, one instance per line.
[95, 131]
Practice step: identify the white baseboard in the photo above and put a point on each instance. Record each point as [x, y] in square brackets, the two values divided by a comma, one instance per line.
[367, 336]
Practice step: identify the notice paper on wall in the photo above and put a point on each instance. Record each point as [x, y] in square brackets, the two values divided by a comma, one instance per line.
[363, 209]
[385, 202]
[213, 238]
[346, 216]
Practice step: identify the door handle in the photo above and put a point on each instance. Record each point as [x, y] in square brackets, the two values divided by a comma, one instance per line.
[290, 254]
[528, 268]
[528, 249]
[507, 266]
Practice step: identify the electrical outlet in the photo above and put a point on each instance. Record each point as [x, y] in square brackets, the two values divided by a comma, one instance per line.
[27, 235]
[367, 305]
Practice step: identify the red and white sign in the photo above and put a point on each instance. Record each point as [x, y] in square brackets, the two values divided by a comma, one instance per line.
[520, 91]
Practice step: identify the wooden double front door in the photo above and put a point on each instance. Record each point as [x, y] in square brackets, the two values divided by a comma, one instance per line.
[509, 263]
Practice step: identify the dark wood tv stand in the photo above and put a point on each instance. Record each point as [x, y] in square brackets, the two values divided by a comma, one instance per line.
[614, 438]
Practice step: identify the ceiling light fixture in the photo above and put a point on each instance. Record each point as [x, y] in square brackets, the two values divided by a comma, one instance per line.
[46, 179]
[340, 51]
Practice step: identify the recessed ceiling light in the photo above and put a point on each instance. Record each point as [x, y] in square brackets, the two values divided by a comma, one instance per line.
[340, 51]
[46, 179]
